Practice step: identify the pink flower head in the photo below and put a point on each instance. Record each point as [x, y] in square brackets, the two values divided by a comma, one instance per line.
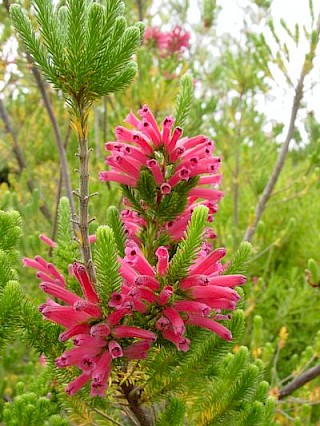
[95, 335]
[173, 161]
[168, 43]
[156, 38]
[178, 40]
[195, 300]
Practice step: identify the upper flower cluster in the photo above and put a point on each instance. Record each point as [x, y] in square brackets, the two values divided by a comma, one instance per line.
[172, 160]
[168, 42]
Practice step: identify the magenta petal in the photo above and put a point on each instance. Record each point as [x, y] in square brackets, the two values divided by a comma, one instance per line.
[74, 386]
[122, 331]
[214, 326]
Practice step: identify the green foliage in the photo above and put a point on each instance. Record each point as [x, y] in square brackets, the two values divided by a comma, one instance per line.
[105, 259]
[10, 299]
[184, 100]
[314, 270]
[226, 388]
[175, 202]
[239, 263]
[145, 195]
[190, 245]
[230, 397]
[115, 223]
[41, 335]
[147, 189]
[67, 250]
[10, 292]
[208, 12]
[10, 234]
[170, 370]
[173, 414]
[7, 273]
[85, 49]
[30, 409]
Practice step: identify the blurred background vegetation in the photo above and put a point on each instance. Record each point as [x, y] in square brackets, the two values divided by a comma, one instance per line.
[234, 76]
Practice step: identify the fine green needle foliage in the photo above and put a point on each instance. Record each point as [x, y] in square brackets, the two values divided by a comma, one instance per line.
[9, 311]
[114, 221]
[227, 388]
[189, 247]
[29, 409]
[147, 188]
[240, 259]
[42, 335]
[7, 273]
[230, 396]
[208, 12]
[84, 49]
[173, 414]
[184, 100]
[108, 278]
[67, 249]
[175, 202]
[10, 233]
[10, 293]
[145, 194]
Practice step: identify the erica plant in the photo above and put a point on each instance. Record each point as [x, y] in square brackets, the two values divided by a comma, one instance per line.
[149, 289]
[164, 274]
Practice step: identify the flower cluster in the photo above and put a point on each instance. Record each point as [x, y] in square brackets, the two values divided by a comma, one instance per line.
[172, 160]
[170, 42]
[97, 338]
[196, 300]
[153, 303]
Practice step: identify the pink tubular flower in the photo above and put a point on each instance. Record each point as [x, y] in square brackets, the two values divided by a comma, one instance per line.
[45, 270]
[137, 350]
[210, 324]
[47, 241]
[122, 331]
[152, 302]
[163, 260]
[175, 320]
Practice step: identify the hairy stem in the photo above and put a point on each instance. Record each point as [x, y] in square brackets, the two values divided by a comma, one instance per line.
[84, 196]
[299, 381]
[132, 395]
[285, 147]
[18, 153]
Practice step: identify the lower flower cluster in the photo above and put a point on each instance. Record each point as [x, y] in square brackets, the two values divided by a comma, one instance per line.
[98, 339]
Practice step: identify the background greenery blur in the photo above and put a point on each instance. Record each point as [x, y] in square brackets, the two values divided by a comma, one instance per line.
[282, 295]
